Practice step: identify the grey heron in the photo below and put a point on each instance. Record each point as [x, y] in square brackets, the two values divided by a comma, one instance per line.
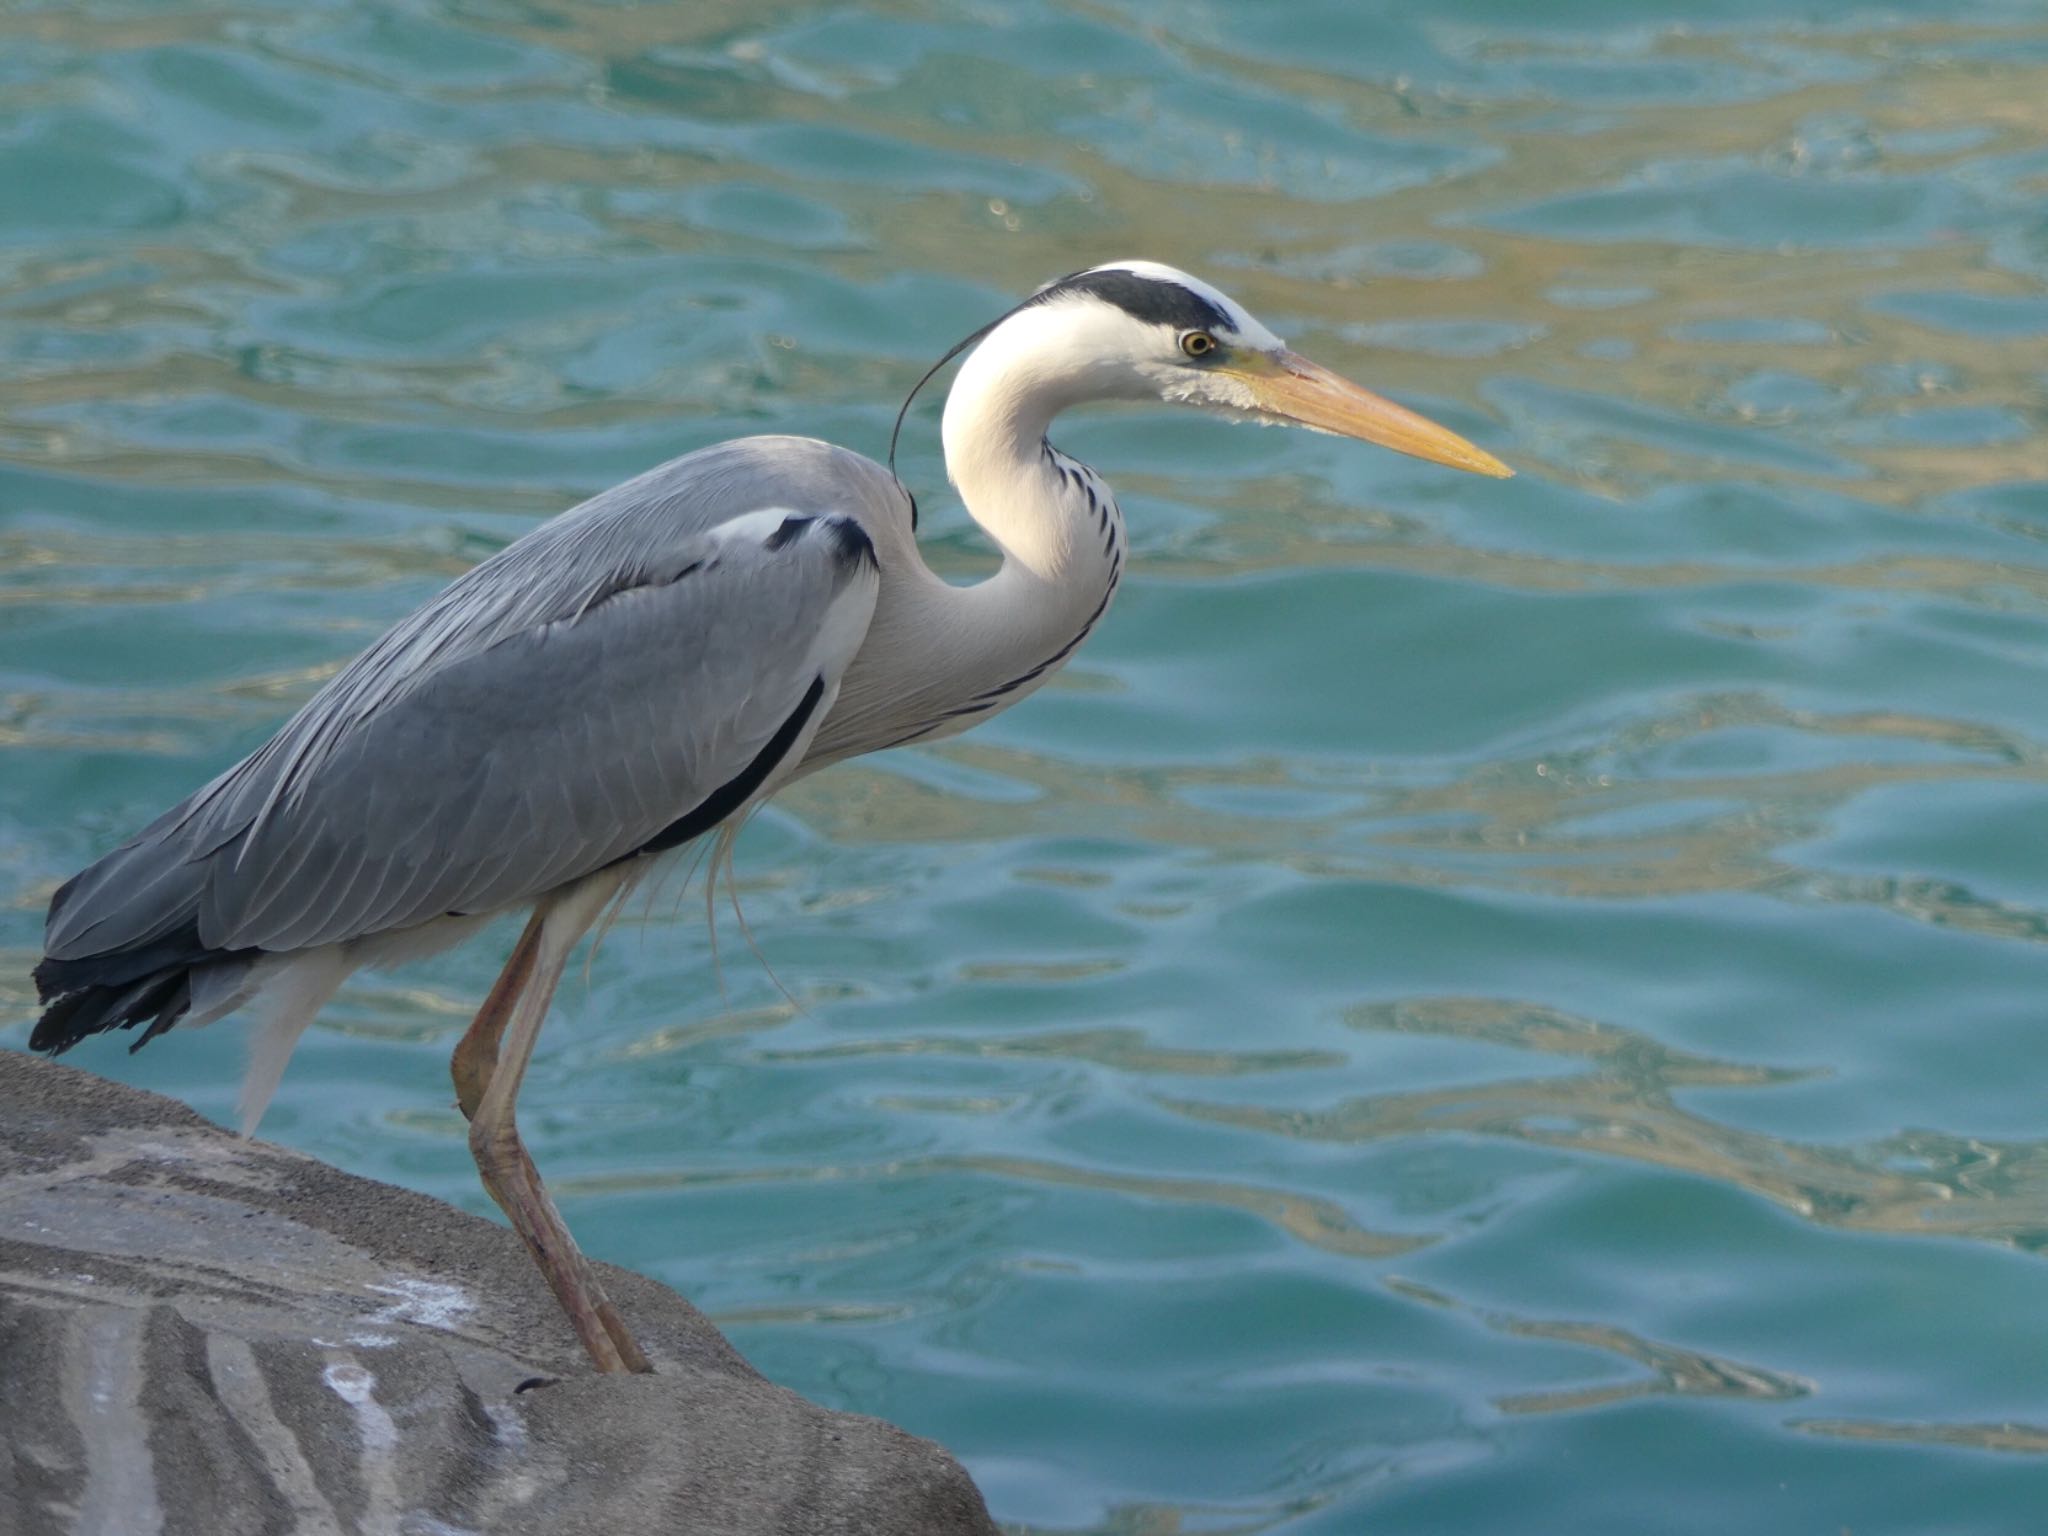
[641, 672]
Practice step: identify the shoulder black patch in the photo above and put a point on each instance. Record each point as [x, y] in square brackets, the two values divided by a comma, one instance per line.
[851, 542]
[1156, 301]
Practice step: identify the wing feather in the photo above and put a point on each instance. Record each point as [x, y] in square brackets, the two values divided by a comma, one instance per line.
[555, 714]
[549, 713]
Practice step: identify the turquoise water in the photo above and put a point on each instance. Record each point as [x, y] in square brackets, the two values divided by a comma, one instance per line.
[1472, 1006]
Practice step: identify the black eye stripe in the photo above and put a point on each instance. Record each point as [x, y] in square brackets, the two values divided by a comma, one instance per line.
[1151, 299]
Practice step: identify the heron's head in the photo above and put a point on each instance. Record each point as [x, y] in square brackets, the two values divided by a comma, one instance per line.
[1136, 330]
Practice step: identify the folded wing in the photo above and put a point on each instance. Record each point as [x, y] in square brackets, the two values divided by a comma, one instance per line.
[617, 681]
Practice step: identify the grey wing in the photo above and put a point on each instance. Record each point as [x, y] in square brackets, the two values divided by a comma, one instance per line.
[591, 691]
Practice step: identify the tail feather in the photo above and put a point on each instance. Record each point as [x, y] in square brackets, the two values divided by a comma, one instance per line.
[86, 994]
[118, 967]
[161, 997]
[123, 936]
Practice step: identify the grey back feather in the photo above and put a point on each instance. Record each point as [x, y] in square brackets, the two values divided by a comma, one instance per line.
[549, 712]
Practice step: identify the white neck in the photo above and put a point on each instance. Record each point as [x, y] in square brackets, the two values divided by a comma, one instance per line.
[939, 658]
[997, 414]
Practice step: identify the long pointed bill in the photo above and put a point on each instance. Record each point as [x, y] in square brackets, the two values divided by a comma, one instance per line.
[1312, 395]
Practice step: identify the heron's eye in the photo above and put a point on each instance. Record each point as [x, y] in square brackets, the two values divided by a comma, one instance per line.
[1198, 343]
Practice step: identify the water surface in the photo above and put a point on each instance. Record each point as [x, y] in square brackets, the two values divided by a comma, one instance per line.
[1471, 1006]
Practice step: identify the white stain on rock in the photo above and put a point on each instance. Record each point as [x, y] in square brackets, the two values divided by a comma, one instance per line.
[377, 1440]
[428, 1303]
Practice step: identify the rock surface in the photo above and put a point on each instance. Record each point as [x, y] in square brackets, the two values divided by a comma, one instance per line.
[209, 1335]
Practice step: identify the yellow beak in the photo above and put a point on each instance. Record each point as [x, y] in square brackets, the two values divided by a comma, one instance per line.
[1310, 394]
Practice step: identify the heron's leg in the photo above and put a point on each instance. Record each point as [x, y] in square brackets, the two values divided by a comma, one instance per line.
[477, 1052]
[472, 1066]
[488, 1067]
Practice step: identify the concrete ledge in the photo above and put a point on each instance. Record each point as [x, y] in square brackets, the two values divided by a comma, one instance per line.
[204, 1335]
